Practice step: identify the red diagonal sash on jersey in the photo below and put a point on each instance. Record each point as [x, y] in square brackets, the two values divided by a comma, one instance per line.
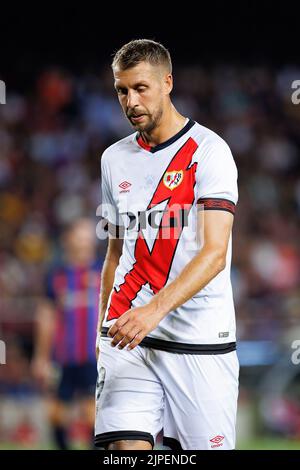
[154, 267]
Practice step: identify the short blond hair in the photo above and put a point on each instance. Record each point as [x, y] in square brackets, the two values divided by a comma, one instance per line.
[142, 50]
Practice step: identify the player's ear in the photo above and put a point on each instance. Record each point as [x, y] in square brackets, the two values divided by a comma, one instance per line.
[168, 83]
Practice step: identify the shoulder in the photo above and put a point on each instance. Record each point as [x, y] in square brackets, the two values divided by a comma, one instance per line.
[122, 145]
[213, 151]
[208, 140]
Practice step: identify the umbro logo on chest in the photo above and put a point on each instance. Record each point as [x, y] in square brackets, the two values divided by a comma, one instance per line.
[171, 180]
[125, 185]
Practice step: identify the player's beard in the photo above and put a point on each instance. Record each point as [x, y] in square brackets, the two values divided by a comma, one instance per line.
[151, 122]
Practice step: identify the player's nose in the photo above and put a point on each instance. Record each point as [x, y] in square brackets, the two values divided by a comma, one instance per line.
[132, 100]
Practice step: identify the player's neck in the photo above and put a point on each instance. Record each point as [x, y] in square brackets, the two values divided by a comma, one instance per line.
[171, 123]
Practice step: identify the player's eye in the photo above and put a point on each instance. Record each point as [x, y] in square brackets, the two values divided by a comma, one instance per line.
[140, 89]
[121, 91]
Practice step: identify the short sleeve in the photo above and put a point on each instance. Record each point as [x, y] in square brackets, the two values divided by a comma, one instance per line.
[109, 209]
[217, 175]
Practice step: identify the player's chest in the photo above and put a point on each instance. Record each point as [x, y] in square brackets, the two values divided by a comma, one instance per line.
[145, 184]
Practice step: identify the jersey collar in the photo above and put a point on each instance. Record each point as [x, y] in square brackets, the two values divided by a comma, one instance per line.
[168, 142]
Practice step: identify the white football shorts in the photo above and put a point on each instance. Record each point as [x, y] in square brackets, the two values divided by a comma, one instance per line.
[192, 397]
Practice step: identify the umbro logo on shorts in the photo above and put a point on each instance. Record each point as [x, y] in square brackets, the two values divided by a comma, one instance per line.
[217, 441]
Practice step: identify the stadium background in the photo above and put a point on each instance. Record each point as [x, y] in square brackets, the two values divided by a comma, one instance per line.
[233, 75]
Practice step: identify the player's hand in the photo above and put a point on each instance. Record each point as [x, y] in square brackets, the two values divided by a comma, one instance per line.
[132, 327]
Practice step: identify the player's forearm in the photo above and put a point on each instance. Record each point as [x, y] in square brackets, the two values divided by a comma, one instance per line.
[194, 277]
[107, 280]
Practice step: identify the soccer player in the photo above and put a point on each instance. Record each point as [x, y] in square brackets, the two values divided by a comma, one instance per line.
[66, 329]
[166, 342]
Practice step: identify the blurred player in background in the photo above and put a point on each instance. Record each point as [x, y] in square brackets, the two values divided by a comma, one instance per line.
[166, 302]
[65, 328]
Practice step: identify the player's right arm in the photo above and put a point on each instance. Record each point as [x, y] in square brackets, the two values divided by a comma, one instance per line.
[115, 242]
[111, 262]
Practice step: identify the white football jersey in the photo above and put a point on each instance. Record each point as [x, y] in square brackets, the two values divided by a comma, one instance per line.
[155, 194]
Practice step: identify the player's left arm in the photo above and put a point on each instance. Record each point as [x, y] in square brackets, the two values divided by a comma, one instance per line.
[137, 322]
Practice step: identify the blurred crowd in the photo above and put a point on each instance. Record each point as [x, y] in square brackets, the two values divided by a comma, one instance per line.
[51, 141]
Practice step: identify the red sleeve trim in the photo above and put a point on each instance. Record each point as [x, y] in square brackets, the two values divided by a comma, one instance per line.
[217, 204]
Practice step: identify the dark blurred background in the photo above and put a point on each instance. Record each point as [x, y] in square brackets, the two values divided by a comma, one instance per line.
[233, 72]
